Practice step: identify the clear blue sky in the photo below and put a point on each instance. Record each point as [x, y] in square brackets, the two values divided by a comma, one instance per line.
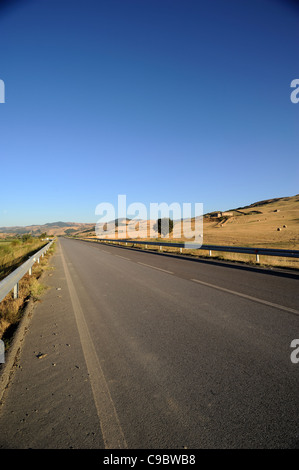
[161, 100]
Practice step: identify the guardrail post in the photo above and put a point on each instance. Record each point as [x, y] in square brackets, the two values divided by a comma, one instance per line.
[30, 271]
[257, 258]
[210, 252]
[160, 247]
[181, 250]
[16, 291]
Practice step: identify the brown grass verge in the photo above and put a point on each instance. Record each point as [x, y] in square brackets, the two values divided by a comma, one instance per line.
[15, 253]
[30, 287]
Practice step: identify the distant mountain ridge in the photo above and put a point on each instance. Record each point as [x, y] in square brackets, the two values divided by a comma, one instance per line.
[51, 228]
[267, 201]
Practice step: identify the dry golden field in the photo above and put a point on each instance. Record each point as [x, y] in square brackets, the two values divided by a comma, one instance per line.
[273, 223]
[258, 226]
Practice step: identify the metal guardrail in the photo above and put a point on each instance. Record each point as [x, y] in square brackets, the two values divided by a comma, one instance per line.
[210, 248]
[11, 282]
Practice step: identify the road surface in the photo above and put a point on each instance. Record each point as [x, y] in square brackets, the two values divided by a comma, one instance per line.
[146, 351]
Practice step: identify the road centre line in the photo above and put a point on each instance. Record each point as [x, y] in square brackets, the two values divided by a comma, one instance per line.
[249, 297]
[223, 289]
[155, 267]
[123, 257]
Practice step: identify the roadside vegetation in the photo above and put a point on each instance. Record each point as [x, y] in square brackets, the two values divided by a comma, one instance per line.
[30, 286]
[14, 252]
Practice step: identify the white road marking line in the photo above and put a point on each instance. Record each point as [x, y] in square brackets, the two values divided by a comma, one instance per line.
[155, 267]
[110, 426]
[249, 297]
[123, 257]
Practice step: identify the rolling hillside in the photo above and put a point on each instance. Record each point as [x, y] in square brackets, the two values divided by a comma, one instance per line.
[54, 228]
[268, 223]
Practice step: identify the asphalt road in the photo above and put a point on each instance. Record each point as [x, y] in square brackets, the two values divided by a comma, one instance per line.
[146, 351]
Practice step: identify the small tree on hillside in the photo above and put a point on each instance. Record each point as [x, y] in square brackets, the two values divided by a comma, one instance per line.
[27, 237]
[164, 226]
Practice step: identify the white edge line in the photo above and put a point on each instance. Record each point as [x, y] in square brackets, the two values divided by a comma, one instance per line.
[109, 422]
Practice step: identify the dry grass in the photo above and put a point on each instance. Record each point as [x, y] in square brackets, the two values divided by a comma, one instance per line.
[256, 226]
[30, 287]
[14, 253]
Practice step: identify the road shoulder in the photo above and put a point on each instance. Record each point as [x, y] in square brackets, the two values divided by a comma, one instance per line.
[49, 402]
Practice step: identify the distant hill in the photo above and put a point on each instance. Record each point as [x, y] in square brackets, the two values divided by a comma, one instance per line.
[58, 224]
[271, 222]
[272, 201]
[51, 228]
